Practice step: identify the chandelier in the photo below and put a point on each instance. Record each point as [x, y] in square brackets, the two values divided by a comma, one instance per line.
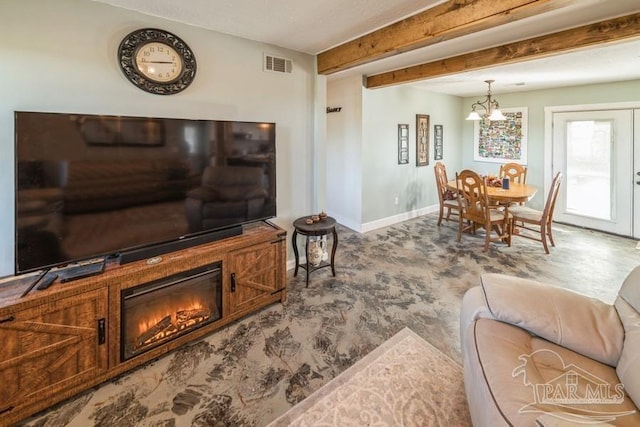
[489, 105]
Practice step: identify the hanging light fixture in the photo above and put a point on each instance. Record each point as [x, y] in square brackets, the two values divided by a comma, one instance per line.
[489, 105]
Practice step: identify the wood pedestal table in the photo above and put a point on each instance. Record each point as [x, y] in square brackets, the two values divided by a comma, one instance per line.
[320, 228]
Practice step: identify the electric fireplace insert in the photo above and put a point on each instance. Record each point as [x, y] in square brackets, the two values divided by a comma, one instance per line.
[159, 311]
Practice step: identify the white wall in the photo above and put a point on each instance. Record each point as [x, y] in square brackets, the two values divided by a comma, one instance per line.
[363, 174]
[344, 152]
[60, 56]
[383, 178]
[536, 101]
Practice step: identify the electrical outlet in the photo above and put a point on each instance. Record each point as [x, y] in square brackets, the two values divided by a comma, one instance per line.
[396, 201]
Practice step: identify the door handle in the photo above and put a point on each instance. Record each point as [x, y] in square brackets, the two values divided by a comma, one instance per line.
[102, 326]
[233, 282]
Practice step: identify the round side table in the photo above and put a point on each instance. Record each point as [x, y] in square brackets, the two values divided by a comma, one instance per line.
[321, 228]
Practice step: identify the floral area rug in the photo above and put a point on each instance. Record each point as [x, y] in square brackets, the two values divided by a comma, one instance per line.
[404, 382]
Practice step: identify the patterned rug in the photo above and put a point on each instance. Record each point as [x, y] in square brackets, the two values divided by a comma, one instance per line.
[404, 382]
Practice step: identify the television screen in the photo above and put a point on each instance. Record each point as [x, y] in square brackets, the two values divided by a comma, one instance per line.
[89, 186]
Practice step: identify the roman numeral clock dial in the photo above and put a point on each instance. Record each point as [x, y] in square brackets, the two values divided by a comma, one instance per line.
[157, 61]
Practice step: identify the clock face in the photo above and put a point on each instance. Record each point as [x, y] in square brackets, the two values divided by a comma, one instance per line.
[157, 61]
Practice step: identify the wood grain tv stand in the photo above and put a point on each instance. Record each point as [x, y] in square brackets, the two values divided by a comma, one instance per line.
[63, 340]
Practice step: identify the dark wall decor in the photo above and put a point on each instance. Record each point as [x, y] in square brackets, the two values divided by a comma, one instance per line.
[437, 142]
[403, 144]
[422, 139]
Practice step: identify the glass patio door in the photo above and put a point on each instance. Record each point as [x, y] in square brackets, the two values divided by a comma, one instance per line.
[594, 151]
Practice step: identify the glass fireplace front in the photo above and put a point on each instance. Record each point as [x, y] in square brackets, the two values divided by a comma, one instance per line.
[162, 310]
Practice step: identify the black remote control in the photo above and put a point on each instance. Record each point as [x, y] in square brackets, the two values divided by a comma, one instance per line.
[47, 281]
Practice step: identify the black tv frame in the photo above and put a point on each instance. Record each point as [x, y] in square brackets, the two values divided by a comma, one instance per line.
[141, 250]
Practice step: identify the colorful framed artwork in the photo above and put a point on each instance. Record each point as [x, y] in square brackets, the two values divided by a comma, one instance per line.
[403, 144]
[504, 140]
[422, 139]
[437, 142]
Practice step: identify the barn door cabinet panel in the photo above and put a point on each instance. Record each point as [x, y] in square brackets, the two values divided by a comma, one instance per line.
[50, 348]
[257, 277]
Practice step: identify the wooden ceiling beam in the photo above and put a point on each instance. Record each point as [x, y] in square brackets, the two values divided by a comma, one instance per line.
[609, 31]
[454, 18]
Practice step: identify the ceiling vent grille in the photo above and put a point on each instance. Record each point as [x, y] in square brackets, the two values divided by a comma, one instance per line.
[277, 65]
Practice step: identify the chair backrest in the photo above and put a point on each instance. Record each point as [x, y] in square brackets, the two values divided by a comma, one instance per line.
[441, 179]
[472, 199]
[516, 172]
[550, 205]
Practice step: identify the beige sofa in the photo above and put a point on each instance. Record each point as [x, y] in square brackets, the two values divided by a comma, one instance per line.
[536, 354]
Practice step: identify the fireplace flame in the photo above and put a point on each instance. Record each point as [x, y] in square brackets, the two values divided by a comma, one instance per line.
[169, 320]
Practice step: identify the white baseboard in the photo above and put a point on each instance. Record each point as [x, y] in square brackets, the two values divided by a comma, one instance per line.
[291, 264]
[373, 225]
[384, 222]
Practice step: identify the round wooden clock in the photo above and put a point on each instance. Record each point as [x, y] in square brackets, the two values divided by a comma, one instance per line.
[157, 61]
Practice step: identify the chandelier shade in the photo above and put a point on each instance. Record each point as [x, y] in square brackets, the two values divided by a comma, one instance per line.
[489, 108]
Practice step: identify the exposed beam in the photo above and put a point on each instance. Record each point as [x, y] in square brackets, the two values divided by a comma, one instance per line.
[446, 21]
[609, 31]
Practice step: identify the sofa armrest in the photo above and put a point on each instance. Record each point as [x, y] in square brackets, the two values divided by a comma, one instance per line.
[473, 307]
[580, 323]
[257, 193]
[204, 194]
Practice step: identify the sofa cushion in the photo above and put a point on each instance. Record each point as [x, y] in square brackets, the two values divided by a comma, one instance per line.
[560, 420]
[529, 376]
[586, 325]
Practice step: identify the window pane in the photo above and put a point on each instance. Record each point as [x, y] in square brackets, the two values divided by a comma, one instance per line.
[589, 148]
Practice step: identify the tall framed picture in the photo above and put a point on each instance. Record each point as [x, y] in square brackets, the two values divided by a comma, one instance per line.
[437, 142]
[504, 140]
[422, 139]
[403, 144]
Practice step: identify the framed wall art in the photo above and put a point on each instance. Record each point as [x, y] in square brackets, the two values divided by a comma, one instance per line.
[437, 142]
[403, 144]
[422, 139]
[504, 140]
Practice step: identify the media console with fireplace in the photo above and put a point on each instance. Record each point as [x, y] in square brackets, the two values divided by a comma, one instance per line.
[74, 335]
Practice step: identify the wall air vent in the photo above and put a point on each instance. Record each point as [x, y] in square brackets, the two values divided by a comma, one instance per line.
[277, 65]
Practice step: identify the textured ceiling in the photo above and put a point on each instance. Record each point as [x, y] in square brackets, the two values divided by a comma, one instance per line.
[301, 25]
[313, 27]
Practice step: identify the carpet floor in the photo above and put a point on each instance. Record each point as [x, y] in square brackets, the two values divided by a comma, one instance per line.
[409, 275]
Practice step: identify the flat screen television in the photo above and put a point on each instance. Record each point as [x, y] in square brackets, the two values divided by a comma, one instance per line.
[91, 186]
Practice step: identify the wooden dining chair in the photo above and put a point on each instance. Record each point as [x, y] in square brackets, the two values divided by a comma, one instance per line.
[475, 208]
[515, 171]
[446, 197]
[537, 223]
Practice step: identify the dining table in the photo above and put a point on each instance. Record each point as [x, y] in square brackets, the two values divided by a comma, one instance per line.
[516, 193]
